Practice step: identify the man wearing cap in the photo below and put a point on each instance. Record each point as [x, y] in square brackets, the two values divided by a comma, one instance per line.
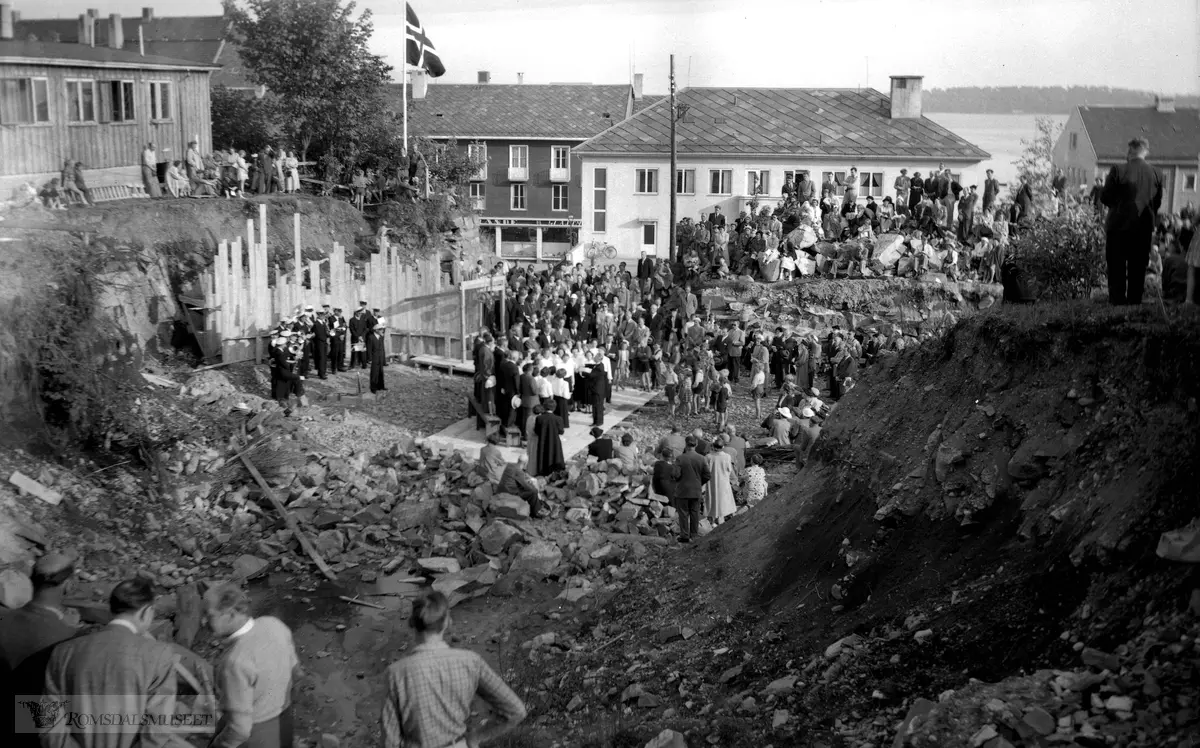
[779, 425]
[337, 341]
[121, 670]
[1133, 193]
[28, 636]
[320, 342]
[358, 336]
[806, 435]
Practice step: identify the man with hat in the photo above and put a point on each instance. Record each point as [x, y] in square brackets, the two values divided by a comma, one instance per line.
[779, 425]
[806, 435]
[286, 379]
[377, 355]
[28, 636]
[337, 341]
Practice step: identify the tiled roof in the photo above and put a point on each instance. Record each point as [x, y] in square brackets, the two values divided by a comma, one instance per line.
[500, 110]
[1173, 136]
[645, 102]
[86, 54]
[785, 122]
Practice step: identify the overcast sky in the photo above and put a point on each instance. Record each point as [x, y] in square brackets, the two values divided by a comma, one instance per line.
[1151, 45]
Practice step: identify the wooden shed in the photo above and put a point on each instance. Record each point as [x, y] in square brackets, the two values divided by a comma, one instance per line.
[96, 104]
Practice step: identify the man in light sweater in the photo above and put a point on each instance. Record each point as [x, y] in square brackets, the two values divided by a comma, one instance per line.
[254, 675]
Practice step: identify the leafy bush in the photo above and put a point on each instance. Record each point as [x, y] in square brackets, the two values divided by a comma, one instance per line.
[1063, 255]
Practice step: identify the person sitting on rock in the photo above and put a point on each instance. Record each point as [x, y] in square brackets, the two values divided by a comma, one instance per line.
[491, 460]
[626, 453]
[602, 447]
[515, 480]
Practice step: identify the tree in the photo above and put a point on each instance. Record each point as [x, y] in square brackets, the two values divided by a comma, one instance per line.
[1036, 165]
[242, 120]
[312, 56]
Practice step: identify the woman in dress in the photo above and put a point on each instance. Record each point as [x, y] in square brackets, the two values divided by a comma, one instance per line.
[531, 440]
[718, 499]
[292, 165]
[756, 481]
[547, 433]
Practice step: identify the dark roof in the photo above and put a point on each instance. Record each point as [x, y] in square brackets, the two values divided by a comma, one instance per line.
[1173, 136]
[785, 121]
[499, 110]
[87, 56]
[646, 101]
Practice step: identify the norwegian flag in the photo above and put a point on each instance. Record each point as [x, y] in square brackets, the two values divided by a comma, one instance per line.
[421, 53]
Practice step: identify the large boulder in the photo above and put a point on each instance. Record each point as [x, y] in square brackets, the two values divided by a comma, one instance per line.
[541, 558]
[510, 507]
[496, 537]
[15, 589]
[409, 514]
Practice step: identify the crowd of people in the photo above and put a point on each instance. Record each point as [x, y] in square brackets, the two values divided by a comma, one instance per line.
[69, 685]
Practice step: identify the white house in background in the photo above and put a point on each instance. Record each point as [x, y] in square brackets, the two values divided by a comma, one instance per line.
[734, 142]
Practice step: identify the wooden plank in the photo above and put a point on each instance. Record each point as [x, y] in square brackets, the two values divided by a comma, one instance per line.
[462, 319]
[292, 524]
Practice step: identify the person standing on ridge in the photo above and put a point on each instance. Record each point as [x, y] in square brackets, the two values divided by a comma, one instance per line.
[1133, 193]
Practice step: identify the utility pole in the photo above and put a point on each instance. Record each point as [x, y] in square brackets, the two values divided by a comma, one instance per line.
[674, 178]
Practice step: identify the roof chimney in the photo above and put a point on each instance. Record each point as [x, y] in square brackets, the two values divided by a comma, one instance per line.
[6, 21]
[420, 84]
[1164, 103]
[86, 29]
[147, 15]
[906, 96]
[520, 78]
[485, 76]
[16, 16]
[116, 32]
[637, 86]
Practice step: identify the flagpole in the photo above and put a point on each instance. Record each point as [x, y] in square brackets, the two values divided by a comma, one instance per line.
[404, 89]
[674, 178]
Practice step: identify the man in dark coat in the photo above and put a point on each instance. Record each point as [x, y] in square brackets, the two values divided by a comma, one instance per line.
[529, 396]
[991, 190]
[548, 428]
[508, 384]
[715, 218]
[377, 356]
[915, 191]
[485, 376]
[285, 371]
[1133, 193]
[693, 474]
[337, 341]
[601, 447]
[599, 389]
[320, 343]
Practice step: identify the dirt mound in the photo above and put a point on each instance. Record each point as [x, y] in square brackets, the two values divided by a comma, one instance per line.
[982, 505]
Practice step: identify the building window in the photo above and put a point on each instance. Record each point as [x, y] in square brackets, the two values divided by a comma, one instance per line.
[24, 101]
[477, 153]
[518, 157]
[794, 175]
[518, 197]
[720, 182]
[600, 201]
[870, 184]
[1189, 182]
[1074, 140]
[81, 101]
[647, 182]
[558, 197]
[649, 236]
[685, 181]
[560, 157]
[478, 200]
[116, 101]
[758, 182]
[160, 100]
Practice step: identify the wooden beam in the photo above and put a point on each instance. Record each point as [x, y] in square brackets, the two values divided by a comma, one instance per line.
[462, 319]
[292, 524]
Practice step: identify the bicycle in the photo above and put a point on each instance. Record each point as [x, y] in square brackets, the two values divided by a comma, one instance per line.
[594, 250]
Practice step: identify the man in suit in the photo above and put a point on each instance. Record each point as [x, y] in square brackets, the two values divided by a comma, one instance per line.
[1133, 193]
[320, 342]
[337, 341]
[715, 219]
[358, 335]
[689, 488]
[119, 670]
[529, 396]
[645, 271]
[991, 190]
[508, 383]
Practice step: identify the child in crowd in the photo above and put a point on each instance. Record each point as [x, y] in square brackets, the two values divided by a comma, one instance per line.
[670, 379]
[758, 384]
[724, 390]
[621, 374]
